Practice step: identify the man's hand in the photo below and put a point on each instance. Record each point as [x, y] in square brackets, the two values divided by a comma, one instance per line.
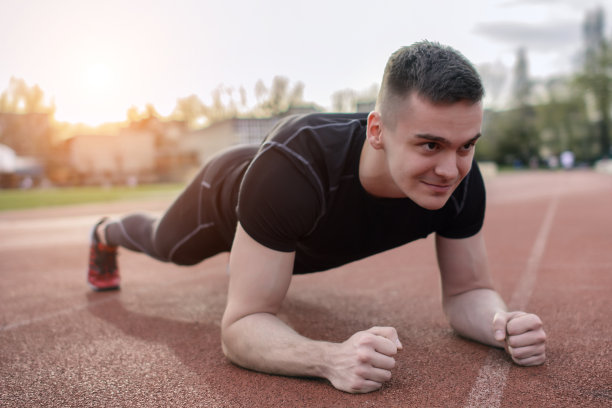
[522, 335]
[364, 361]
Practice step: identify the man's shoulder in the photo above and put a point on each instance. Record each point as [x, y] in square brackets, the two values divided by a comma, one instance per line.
[325, 118]
[311, 122]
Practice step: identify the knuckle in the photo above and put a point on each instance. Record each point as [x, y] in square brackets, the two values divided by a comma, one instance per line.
[362, 357]
[365, 339]
[355, 388]
[541, 337]
[360, 372]
[522, 352]
[363, 354]
[358, 336]
[358, 385]
[383, 330]
[535, 321]
[512, 341]
[516, 353]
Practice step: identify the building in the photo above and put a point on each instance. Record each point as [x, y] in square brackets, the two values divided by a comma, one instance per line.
[18, 171]
[28, 134]
[204, 143]
[113, 158]
[152, 150]
[144, 151]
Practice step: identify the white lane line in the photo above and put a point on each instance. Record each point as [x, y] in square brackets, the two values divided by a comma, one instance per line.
[489, 386]
[40, 233]
[62, 312]
[524, 288]
[196, 277]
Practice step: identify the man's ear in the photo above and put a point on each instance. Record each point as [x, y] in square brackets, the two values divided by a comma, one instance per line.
[375, 130]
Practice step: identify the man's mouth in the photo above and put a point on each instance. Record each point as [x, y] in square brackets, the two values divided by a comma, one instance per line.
[439, 187]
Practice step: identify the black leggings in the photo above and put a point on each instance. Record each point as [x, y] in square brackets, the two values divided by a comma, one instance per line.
[187, 232]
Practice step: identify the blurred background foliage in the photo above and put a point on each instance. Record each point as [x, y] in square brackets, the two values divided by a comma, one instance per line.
[553, 115]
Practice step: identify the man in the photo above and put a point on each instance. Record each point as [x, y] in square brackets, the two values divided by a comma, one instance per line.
[327, 189]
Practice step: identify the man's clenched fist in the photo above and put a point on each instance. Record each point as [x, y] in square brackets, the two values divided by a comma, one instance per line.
[363, 362]
[522, 335]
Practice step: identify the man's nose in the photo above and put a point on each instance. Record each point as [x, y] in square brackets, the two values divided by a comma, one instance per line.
[447, 166]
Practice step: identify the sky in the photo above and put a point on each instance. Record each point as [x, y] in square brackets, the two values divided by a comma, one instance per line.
[96, 59]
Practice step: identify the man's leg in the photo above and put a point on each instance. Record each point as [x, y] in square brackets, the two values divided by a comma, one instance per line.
[185, 234]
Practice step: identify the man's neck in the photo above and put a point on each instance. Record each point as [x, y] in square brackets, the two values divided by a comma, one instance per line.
[374, 173]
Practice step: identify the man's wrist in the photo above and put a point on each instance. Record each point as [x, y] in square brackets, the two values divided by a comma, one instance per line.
[321, 361]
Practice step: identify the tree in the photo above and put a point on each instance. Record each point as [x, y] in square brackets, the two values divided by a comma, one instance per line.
[519, 140]
[190, 109]
[596, 77]
[561, 119]
[21, 98]
[224, 106]
[494, 76]
[521, 89]
[347, 100]
[25, 123]
[344, 100]
[133, 114]
[279, 97]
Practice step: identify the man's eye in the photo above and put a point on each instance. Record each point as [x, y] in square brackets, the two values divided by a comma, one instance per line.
[430, 146]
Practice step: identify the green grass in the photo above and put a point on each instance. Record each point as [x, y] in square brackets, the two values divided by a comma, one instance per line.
[23, 199]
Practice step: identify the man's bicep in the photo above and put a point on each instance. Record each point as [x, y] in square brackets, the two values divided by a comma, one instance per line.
[463, 264]
[259, 278]
[278, 203]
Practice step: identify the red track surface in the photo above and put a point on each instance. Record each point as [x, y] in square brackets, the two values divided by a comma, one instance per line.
[156, 342]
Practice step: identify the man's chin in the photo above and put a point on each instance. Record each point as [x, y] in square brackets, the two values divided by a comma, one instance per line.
[432, 203]
[432, 206]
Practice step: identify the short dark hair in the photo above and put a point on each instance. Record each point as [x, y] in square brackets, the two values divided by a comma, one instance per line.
[436, 72]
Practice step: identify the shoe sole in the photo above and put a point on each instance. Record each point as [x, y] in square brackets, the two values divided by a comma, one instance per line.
[97, 289]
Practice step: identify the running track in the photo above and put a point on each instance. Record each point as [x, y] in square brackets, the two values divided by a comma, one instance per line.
[156, 342]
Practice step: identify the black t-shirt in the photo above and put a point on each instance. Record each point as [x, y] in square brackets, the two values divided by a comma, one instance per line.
[302, 193]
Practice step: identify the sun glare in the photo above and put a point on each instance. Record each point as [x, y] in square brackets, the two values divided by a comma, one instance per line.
[97, 77]
[95, 97]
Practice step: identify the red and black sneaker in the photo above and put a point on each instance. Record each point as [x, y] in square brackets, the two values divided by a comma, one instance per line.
[103, 270]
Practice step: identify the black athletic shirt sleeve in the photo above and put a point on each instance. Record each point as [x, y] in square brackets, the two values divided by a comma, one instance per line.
[277, 204]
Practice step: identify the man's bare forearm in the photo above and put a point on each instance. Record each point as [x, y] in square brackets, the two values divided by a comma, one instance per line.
[255, 338]
[471, 314]
[263, 342]
[360, 364]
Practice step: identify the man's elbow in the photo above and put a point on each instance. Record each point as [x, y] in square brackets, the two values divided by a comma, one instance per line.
[228, 346]
[226, 349]
[233, 337]
[226, 336]
[457, 304]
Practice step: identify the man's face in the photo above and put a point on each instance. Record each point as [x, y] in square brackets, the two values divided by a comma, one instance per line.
[431, 148]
